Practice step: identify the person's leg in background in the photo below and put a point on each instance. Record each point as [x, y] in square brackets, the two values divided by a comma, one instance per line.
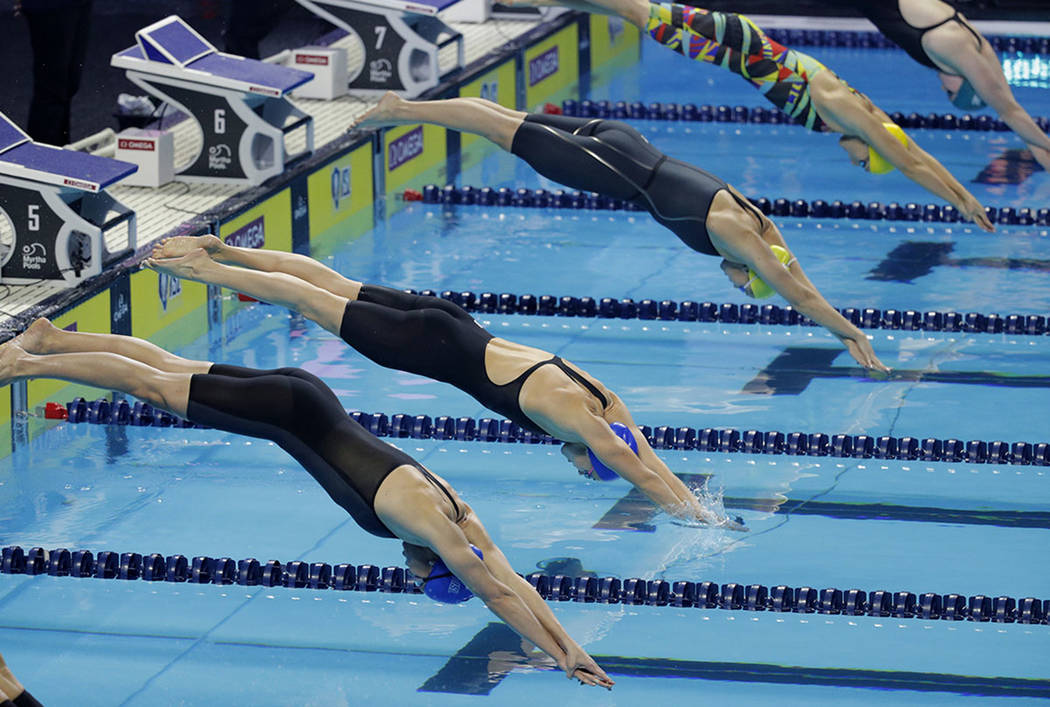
[58, 34]
[249, 21]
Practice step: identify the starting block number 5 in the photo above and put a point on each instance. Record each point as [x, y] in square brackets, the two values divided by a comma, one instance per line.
[33, 217]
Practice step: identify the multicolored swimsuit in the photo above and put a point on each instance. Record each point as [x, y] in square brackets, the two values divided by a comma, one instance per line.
[734, 42]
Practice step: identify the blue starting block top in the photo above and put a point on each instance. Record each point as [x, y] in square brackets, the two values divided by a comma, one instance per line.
[21, 157]
[172, 48]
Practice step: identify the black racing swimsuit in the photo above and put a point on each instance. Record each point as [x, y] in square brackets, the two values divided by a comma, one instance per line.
[613, 159]
[435, 338]
[303, 416]
[886, 15]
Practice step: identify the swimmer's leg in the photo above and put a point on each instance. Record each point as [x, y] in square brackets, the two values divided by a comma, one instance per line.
[315, 303]
[483, 118]
[617, 161]
[42, 337]
[300, 266]
[169, 391]
[728, 29]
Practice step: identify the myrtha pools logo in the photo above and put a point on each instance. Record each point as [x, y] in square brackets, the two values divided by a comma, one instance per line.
[219, 156]
[380, 70]
[34, 256]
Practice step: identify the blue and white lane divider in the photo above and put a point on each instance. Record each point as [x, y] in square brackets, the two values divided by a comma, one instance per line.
[556, 588]
[748, 313]
[725, 441]
[862, 39]
[760, 115]
[780, 207]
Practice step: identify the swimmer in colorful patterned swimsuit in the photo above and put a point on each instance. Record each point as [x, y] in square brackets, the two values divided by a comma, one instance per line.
[385, 491]
[796, 83]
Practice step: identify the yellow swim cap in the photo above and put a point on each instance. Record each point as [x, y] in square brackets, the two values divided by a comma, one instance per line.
[759, 288]
[877, 164]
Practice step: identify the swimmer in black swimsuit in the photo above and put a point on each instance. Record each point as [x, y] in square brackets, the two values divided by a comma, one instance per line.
[385, 491]
[435, 338]
[936, 35]
[612, 158]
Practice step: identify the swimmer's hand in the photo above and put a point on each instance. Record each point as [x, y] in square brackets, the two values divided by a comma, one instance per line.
[577, 664]
[861, 350]
[736, 524]
[973, 210]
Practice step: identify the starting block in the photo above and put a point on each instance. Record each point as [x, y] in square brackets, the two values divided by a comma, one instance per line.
[53, 210]
[240, 105]
[401, 40]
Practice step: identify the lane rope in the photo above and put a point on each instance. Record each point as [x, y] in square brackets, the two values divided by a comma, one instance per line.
[910, 212]
[664, 437]
[299, 574]
[760, 115]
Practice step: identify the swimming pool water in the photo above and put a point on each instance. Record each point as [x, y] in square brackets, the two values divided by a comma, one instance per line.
[821, 522]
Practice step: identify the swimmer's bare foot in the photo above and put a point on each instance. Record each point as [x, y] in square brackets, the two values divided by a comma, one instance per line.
[192, 266]
[35, 338]
[179, 246]
[10, 356]
[386, 112]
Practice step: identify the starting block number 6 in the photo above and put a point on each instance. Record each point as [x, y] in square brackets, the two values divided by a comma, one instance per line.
[220, 121]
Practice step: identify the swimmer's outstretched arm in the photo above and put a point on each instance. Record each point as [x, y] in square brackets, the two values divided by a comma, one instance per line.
[501, 570]
[855, 115]
[515, 603]
[645, 471]
[735, 234]
[953, 47]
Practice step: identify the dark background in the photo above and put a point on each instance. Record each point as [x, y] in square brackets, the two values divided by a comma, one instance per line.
[114, 23]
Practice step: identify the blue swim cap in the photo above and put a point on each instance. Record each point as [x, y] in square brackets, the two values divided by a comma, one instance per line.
[600, 470]
[967, 99]
[443, 586]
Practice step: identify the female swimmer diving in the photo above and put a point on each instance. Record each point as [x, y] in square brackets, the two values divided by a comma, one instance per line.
[432, 337]
[612, 158]
[796, 83]
[383, 489]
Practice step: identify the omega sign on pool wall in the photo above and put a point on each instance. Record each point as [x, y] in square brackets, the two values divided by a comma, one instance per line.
[415, 155]
[546, 64]
[405, 148]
